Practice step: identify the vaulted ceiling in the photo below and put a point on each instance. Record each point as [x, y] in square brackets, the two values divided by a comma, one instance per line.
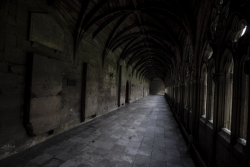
[149, 35]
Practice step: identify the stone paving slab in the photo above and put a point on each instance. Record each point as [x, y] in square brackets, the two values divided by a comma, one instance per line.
[141, 134]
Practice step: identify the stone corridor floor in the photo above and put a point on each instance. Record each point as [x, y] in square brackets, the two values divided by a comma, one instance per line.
[143, 133]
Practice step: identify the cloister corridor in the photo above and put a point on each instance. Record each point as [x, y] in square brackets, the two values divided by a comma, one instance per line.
[143, 133]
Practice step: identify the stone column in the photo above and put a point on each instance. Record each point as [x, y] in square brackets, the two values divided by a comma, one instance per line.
[172, 95]
[177, 99]
[185, 110]
[218, 112]
[208, 105]
[202, 100]
[191, 106]
[247, 155]
[237, 104]
[182, 95]
[210, 96]
[197, 85]
[189, 98]
[174, 98]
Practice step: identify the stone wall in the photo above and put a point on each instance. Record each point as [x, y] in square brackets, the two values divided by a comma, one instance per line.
[157, 87]
[16, 52]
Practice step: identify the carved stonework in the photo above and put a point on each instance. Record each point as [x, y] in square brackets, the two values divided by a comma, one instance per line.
[247, 67]
[219, 17]
[208, 53]
[218, 77]
[4, 4]
[198, 80]
[237, 30]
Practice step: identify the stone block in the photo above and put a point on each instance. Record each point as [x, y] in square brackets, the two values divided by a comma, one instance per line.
[22, 13]
[21, 82]
[8, 80]
[4, 16]
[45, 113]
[2, 26]
[18, 69]
[46, 31]
[23, 44]
[16, 110]
[13, 8]
[3, 67]
[42, 50]
[68, 37]
[61, 57]
[78, 95]
[1, 56]
[10, 107]
[22, 33]
[10, 29]
[10, 39]
[46, 76]
[21, 24]
[45, 103]
[13, 123]
[2, 41]
[11, 20]
[10, 92]
[1, 127]
[14, 55]
[3, 114]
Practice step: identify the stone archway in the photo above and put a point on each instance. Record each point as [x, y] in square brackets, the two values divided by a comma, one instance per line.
[157, 87]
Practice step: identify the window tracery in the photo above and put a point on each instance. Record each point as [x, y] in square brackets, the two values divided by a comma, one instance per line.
[204, 90]
[211, 89]
[219, 17]
[227, 67]
[244, 103]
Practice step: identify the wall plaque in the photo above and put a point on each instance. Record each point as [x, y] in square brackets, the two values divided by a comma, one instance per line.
[45, 100]
[44, 30]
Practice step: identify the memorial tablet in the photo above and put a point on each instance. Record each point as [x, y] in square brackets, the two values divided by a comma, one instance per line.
[44, 30]
[45, 102]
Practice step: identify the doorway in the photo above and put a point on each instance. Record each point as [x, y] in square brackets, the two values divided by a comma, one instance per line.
[84, 83]
[127, 93]
[119, 86]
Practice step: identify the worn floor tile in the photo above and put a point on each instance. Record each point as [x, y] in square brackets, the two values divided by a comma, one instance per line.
[41, 159]
[53, 163]
[143, 133]
[155, 163]
[118, 148]
[134, 144]
[141, 161]
[128, 158]
[146, 151]
[131, 150]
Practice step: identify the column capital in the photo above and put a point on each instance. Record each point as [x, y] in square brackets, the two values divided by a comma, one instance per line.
[183, 83]
[198, 80]
[247, 67]
[218, 77]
